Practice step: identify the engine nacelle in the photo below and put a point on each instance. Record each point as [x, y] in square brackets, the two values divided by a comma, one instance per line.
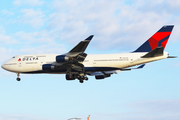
[47, 67]
[62, 58]
[102, 76]
[72, 78]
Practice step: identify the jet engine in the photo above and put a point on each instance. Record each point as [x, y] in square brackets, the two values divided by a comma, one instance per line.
[102, 76]
[48, 67]
[62, 58]
[73, 77]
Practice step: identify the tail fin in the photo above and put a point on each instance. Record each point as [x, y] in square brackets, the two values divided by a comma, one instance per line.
[159, 39]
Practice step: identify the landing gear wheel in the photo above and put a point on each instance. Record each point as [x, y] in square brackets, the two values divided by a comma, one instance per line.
[18, 79]
[86, 78]
[81, 81]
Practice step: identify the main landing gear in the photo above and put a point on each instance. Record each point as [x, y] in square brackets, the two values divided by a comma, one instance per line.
[18, 79]
[81, 77]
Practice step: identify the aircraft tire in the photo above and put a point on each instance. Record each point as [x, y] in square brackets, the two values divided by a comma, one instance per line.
[86, 78]
[81, 81]
[18, 79]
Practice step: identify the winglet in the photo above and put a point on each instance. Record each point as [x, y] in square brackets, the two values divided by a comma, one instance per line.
[90, 37]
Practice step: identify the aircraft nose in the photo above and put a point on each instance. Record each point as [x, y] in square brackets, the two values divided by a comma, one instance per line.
[3, 66]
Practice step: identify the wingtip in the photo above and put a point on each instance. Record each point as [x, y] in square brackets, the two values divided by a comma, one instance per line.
[90, 37]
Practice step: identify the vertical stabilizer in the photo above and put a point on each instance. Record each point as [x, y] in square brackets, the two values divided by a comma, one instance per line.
[159, 39]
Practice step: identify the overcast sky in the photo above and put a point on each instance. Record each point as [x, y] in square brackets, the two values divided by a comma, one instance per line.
[43, 26]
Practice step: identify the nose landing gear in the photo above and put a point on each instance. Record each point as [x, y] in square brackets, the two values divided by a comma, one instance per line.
[18, 79]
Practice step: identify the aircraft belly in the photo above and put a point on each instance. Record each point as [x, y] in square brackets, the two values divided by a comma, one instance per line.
[29, 67]
[146, 60]
[116, 64]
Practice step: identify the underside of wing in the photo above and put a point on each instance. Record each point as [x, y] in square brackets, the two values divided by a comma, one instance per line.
[105, 74]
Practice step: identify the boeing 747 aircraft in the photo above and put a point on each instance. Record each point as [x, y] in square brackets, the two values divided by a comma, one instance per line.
[76, 64]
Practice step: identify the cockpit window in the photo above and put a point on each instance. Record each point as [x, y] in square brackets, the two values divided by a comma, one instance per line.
[13, 57]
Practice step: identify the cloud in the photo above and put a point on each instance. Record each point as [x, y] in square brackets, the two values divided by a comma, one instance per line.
[2, 31]
[6, 12]
[5, 39]
[28, 2]
[118, 25]
[43, 49]
[31, 37]
[123, 25]
[5, 53]
[33, 17]
[113, 22]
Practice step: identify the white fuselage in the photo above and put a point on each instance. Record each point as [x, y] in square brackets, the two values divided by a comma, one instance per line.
[33, 63]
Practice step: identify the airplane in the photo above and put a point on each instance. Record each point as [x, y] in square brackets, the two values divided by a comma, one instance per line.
[77, 64]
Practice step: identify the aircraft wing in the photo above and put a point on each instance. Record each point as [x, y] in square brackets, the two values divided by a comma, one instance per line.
[74, 58]
[76, 54]
[104, 73]
[81, 47]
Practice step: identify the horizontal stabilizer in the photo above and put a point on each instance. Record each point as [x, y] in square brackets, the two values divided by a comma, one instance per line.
[154, 53]
[126, 69]
[141, 66]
